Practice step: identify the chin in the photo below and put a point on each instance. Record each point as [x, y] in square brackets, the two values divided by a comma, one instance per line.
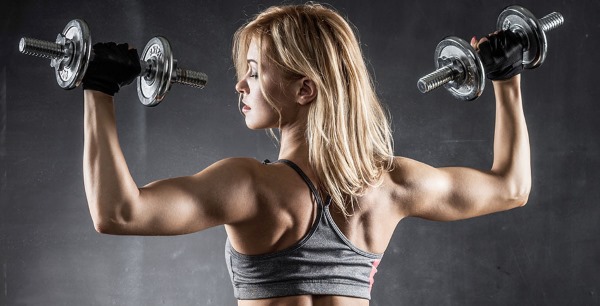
[253, 125]
[254, 128]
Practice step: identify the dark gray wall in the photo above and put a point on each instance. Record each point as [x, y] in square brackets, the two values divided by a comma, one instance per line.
[547, 253]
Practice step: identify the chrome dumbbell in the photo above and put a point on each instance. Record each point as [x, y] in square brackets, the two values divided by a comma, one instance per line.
[71, 52]
[459, 68]
[531, 30]
[69, 55]
[159, 71]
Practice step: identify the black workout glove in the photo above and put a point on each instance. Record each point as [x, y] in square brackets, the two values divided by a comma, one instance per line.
[502, 55]
[111, 67]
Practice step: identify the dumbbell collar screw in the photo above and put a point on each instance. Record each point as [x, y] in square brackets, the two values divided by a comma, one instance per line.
[458, 75]
[60, 62]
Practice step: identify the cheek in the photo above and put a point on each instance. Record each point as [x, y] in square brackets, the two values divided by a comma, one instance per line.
[281, 98]
[262, 117]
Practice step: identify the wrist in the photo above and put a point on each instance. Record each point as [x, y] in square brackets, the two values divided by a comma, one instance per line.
[509, 88]
[93, 95]
[513, 81]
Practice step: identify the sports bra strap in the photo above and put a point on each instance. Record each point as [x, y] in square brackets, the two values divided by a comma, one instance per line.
[307, 180]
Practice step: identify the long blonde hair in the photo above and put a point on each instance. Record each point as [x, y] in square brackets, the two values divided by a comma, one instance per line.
[348, 132]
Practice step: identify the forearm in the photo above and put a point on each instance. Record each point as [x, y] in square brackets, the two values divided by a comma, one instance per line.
[109, 186]
[511, 141]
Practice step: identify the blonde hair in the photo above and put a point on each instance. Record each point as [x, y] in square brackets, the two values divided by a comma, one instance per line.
[348, 133]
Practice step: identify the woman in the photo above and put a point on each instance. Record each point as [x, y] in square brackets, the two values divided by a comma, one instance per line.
[311, 228]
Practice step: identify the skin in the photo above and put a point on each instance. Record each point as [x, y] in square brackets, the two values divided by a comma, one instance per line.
[264, 208]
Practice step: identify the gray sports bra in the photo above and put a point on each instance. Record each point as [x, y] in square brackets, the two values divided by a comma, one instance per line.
[324, 262]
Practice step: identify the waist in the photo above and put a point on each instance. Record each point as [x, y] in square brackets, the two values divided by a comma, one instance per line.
[306, 300]
[301, 271]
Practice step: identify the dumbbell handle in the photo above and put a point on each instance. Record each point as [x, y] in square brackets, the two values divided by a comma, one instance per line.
[551, 21]
[546, 23]
[190, 78]
[43, 48]
[447, 73]
[182, 76]
[52, 50]
[436, 79]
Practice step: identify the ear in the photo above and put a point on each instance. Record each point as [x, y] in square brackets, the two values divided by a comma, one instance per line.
[307, 91]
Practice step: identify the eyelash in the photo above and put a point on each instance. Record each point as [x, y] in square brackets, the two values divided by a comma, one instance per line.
[252, 74]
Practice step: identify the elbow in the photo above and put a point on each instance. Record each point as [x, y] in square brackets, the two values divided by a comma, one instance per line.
[519, 195]
[514, 189]
[105, 227]
[521, 200]
[111, 222]
[101, 227]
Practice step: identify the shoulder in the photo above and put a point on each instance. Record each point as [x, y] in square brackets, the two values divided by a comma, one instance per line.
[230, 188]
[242, 163]
[230, 178]
[239, 168]
[403, 176]
[419, 176]
[249, 174]
[413, 182]
[410, 172]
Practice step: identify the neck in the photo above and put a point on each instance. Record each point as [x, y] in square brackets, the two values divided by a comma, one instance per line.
[293, 145]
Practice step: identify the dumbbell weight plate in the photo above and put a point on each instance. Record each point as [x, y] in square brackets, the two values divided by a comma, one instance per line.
[520, 20]
[471, 84]
[70, 69]
[153, 85]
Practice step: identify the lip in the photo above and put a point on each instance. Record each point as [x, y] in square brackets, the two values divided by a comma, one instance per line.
[246, 108]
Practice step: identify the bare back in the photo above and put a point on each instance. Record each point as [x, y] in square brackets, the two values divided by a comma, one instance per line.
[288, 211]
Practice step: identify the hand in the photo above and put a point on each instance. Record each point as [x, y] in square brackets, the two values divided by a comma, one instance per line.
[111, 67]
[501, 54]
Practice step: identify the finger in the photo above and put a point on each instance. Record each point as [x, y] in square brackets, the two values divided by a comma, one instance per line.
[122, 47]
[493, 34]
[100, 49]
[111, 45]
[485, 50]
[474, 42]
[133, 55]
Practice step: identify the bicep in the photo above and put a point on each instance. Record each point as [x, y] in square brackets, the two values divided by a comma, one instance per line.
[214, 196]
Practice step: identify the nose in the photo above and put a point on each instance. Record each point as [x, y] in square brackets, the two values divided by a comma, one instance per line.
[242, 86]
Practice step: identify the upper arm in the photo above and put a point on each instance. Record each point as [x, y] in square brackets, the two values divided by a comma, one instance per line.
[220, 194]
[452, 193]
